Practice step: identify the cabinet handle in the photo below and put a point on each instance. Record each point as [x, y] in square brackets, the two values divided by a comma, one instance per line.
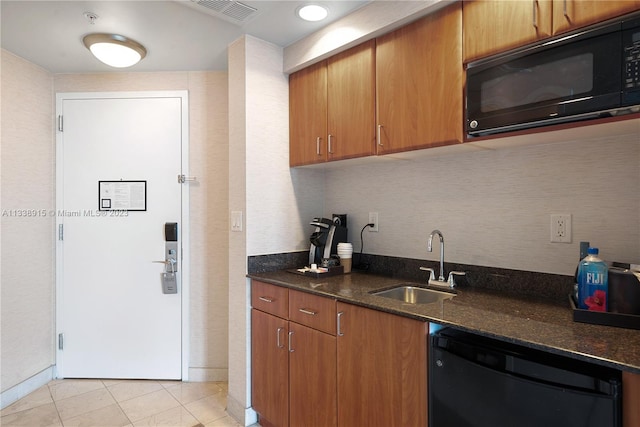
[306, 311]
[290, 342]
[535, 14]
[318, 139]
[265, 299]
[278, 342]
[330, 150]
[339, 331]
[379, 136]
[564, 10]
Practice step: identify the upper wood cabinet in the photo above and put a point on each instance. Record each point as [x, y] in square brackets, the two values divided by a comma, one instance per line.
[419, 83]
[308, 115]
[492, 26]
[351, 100]
[331, 108]
[570, 14]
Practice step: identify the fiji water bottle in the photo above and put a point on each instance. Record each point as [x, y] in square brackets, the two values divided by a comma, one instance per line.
[592, 282]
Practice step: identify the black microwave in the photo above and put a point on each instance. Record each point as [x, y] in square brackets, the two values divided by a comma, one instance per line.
[583, 75]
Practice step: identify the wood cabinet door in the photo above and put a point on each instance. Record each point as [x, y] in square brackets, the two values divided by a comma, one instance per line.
[570, 14]
[630, 399]
[270, 368]
[492, 26]
[419, 83]
[350, 102]
[312, 376]
[382, 369]
[308, 115]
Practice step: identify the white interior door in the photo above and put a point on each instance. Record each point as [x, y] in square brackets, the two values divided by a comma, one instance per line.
[119, 158]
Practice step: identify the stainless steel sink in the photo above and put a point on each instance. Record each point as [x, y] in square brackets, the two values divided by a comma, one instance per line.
[413, 295]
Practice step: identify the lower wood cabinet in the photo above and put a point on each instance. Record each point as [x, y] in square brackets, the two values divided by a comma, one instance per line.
[293, 362]
[630, 399]
[382, 369]
[312, 377]
[327, 364]
[270, 368]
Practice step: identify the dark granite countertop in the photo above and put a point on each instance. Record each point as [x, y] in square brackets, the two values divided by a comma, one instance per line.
[525, 320]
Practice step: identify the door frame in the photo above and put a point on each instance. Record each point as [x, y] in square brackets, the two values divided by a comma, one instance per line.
[184, 213]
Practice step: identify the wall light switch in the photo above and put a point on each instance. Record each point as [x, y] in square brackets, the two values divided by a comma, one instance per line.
[236, 220]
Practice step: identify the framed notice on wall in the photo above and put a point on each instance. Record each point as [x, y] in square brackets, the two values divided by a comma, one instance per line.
[122, 195]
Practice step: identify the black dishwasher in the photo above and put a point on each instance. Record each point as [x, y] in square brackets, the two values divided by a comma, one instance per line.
[476, 381]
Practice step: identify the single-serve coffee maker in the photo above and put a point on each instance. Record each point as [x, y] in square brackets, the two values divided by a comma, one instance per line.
[326, 236]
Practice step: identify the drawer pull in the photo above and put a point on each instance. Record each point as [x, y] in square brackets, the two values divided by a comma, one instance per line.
[265, 299]
[307, 311]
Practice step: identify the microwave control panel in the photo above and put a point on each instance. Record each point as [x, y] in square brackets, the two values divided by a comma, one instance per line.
[632, 60]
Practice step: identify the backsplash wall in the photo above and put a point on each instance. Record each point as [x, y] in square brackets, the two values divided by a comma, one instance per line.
[494, 206]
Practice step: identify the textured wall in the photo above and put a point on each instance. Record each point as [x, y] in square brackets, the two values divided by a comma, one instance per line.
[278, 203]
[27, 242]
[493, 206]
[208, 145]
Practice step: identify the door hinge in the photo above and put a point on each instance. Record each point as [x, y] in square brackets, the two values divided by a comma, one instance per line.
[183, 178]
[60, 341]
[60, 231]
[60, 123]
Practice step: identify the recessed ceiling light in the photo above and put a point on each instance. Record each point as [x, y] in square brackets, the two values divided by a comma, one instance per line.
[115, 50]
[312, 12]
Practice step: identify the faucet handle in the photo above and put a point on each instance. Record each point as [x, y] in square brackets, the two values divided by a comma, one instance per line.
[432, 276]
[451, 280]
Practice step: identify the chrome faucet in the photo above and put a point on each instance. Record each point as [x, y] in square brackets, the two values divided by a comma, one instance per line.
[450, 282]
[430, 249]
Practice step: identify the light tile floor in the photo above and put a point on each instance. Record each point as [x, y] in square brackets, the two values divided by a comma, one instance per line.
[118, 403]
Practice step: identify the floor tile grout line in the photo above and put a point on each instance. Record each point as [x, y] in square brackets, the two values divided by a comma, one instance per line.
[55, 404]
[145, 394]
[117, 403]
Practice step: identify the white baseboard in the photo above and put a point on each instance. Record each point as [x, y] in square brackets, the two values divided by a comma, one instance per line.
[27, 386]
[208, 374]
[245, 416]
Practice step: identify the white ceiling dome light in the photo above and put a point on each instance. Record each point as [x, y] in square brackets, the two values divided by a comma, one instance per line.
[114, 50]
[312, 12]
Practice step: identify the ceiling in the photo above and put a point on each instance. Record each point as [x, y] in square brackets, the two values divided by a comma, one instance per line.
[180, 35]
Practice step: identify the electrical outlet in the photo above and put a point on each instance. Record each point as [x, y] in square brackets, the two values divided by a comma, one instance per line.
[373, 219]
[561, 228]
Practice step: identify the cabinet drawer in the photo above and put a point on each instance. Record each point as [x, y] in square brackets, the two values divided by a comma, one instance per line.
[313, 311]
[270, 298]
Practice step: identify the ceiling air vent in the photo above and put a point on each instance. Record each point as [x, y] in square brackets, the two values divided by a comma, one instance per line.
[233, 11]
